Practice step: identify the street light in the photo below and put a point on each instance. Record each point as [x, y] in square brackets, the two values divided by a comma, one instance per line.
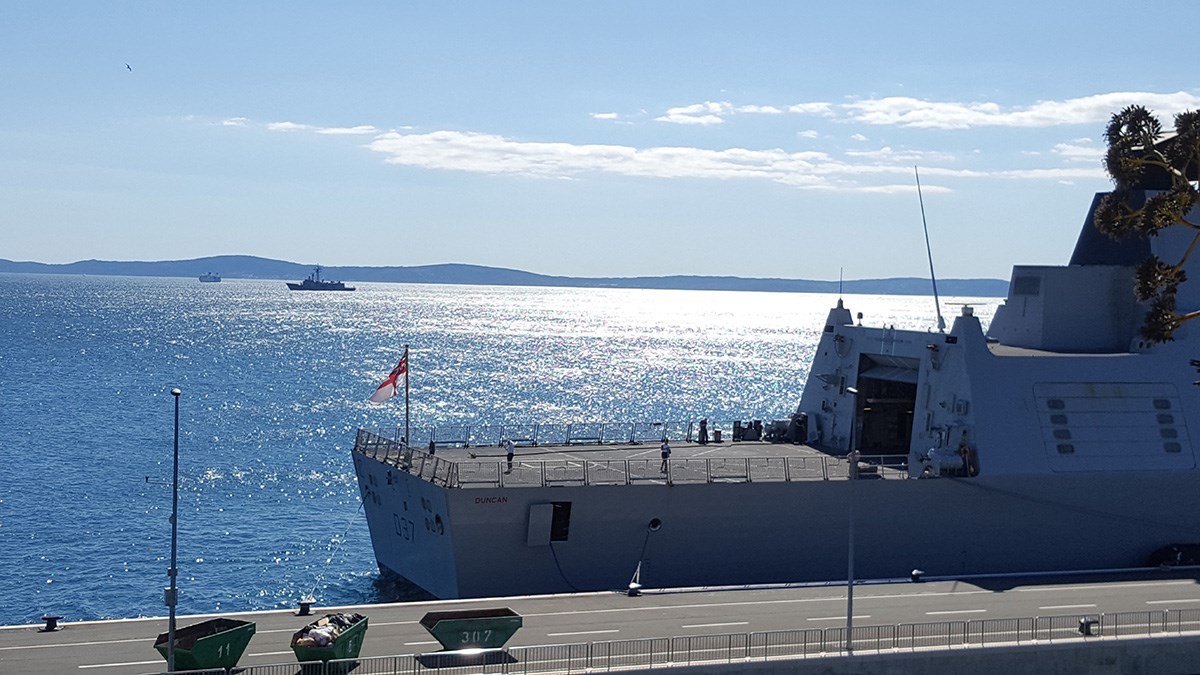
[171, 592]
[853, 475]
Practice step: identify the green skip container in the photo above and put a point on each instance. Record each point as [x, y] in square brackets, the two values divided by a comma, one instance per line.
[472, 628]
[216, 643]
[346, 645]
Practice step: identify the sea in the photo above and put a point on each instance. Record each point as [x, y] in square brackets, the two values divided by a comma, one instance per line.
[273, 387]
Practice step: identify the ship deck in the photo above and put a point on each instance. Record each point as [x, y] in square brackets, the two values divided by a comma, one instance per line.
[623, 463]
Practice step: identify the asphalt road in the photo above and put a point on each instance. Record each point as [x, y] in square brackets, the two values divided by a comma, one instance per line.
[126, 646]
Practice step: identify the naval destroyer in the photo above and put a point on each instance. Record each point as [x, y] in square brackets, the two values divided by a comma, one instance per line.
[314, 282]
[1056, 439]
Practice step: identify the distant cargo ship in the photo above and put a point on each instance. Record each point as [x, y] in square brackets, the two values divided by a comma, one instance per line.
[211, 277]
[314, 282]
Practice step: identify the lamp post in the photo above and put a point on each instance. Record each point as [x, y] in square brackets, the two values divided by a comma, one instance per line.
[853, 476]
[171, 592]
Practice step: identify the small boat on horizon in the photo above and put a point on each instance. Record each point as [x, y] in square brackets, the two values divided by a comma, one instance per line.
[210, 277]
[314, 282]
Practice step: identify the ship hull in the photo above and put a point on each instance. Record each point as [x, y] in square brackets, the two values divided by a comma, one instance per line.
[478, 542]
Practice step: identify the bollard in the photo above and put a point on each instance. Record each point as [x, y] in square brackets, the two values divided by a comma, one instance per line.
[51, 623]
[306, 604]
[1087, 627]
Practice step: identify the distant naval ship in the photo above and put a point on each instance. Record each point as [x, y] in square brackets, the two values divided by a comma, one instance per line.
[1057, 440]
[314, 282]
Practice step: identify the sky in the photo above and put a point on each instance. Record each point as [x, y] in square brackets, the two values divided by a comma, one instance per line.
[755, 139]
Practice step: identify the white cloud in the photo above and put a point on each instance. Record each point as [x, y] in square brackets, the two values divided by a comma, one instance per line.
[881, 170]
[907, 111]
[707, 113]
[818, 108]
[759, 109]
[903, 188]
[360, 130]
[234, 122]
[912, 112]
[1060, 174]
[1079, 153]
[714, 112]
[605, 116]
[490, 153]
[494, 154]
[887, 154]
[288, 126]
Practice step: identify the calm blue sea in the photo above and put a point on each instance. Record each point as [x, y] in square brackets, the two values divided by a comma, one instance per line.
[274, 386]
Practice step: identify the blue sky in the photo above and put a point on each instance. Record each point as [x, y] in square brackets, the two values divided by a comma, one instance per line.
[765, 139]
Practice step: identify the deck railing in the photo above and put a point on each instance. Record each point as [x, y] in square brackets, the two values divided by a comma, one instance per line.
[746, 648]
[527, 471]
[578, 433]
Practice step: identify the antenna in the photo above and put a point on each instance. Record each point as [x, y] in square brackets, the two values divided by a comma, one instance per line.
[937, 304]
[839, 282]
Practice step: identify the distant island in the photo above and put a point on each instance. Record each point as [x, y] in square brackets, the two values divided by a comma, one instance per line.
[252, 267]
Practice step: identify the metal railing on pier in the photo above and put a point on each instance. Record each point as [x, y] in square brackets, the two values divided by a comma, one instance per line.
[738, 648]
[529, 472]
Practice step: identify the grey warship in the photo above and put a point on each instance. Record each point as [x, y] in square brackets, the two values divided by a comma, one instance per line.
[314, 282]
[1056, 439]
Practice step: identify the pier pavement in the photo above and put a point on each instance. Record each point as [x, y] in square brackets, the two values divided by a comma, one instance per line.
[124, 647]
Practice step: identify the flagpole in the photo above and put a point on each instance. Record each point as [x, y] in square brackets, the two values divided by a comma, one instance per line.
[407, 367]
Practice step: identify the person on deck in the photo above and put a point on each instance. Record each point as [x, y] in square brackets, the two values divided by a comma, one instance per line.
[508, 453]
[666, 454]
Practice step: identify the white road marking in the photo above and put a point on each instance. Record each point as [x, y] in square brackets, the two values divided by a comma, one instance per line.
[957, 611]
[418, 644]
[753, 603]
[583, 632]
[1171, 602]
[272, 653]
[1066, 607]
[841, 617]
[713, 625]
[73, 644]
[1102, 586]
[118, 665]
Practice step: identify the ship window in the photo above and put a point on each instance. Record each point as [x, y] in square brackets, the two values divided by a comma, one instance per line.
[1062, 434]
[1166, 419]
[1058, 419]
[1055, 404]
[1172, 447]
[560, 522]
[1066, 449]
[1162, 404]
[1169, 432]
[1026, 285]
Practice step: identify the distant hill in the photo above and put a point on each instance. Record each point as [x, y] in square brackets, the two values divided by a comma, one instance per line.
[251, 267]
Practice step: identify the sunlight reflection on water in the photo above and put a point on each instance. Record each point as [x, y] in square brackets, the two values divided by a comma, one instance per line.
[274, 387]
